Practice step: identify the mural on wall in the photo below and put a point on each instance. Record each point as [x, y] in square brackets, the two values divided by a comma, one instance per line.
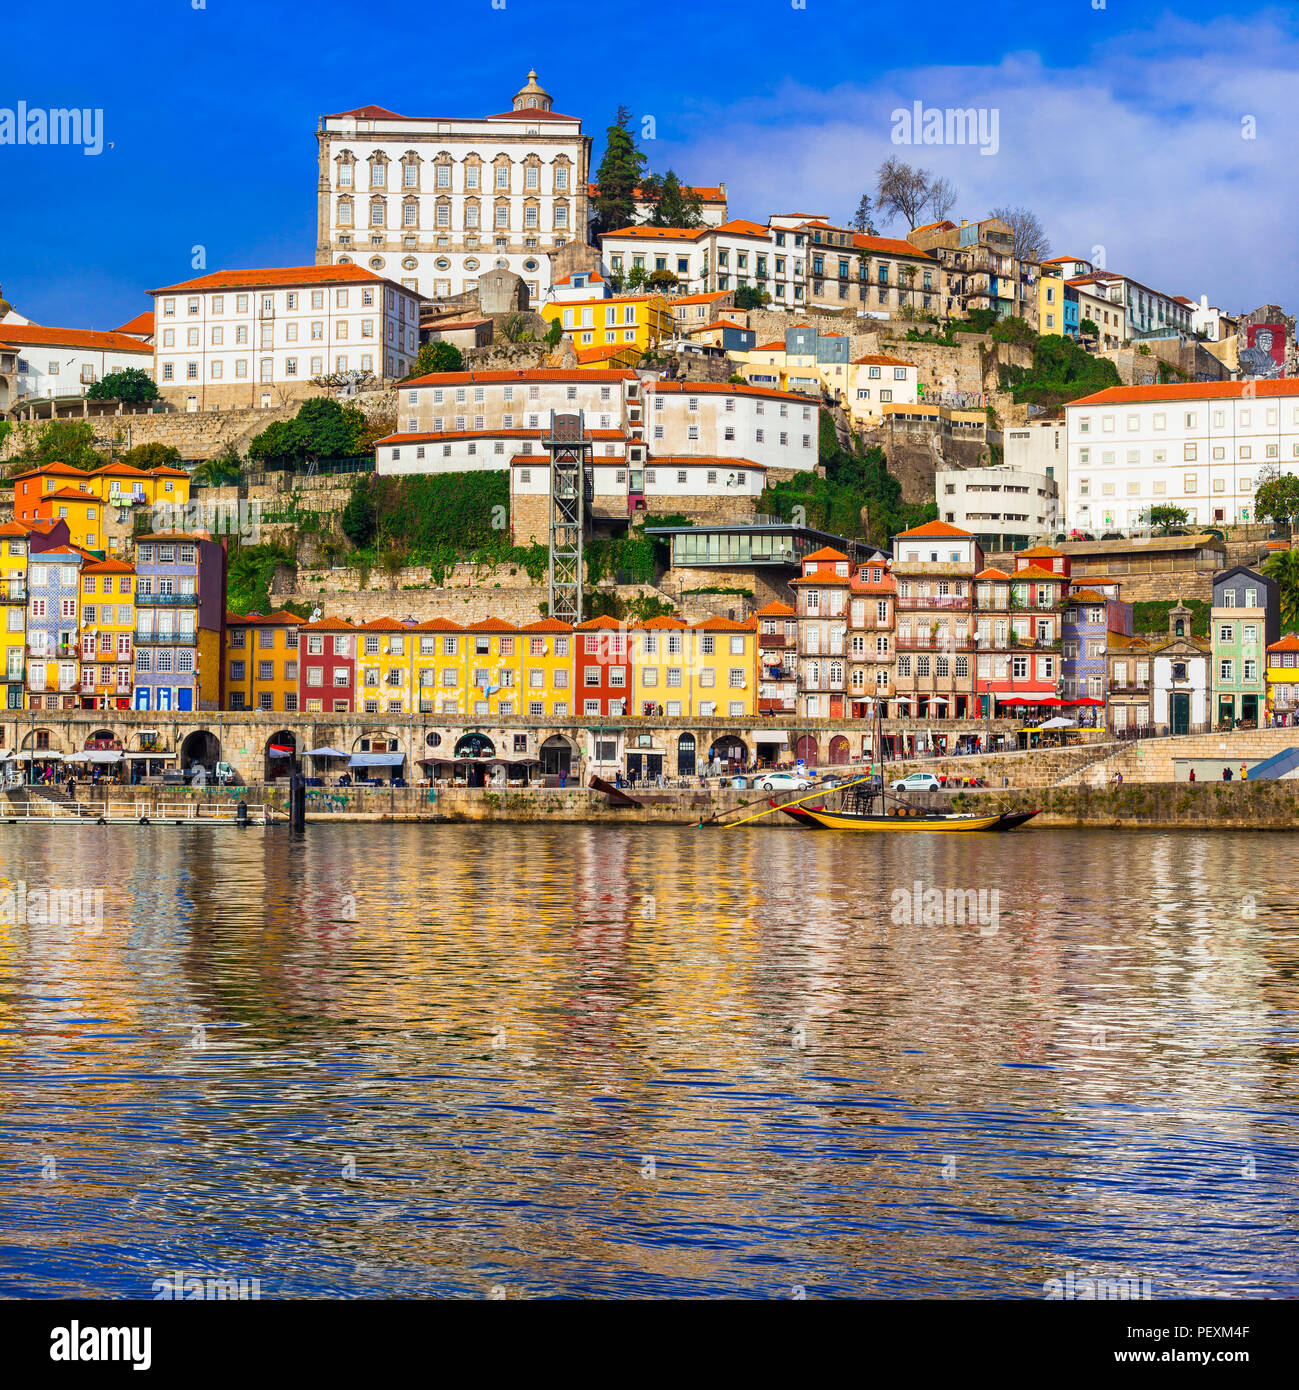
[1269, 338]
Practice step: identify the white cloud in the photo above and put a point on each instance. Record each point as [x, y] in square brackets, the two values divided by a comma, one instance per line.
[1140, 151]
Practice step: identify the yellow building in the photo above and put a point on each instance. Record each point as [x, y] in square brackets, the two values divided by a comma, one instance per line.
[262, 662]
[724, 667]
[13, 600]
[771, 364]
[493, 668]
[31, 486]
[1283, 682]
[638, 321]
[107, 631]
[119, 484]
[547, 669]
[440, 665]
[658, 667]
[1050, 305]
[385, 671]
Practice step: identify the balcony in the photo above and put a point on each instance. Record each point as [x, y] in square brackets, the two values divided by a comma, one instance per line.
[938, 603]
[14, 594]
[53, 653]
[774, 641]
[166, 600]
[924, 643]
[164, 639]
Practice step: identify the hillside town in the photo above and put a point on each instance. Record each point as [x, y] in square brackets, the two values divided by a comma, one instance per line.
[1000, 498]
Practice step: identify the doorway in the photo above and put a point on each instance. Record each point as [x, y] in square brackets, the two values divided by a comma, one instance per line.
[1181, 712]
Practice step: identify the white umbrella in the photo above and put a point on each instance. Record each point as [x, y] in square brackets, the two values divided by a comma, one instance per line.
[1059, 722]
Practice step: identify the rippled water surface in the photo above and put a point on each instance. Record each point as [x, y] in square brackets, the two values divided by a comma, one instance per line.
[596, 1061]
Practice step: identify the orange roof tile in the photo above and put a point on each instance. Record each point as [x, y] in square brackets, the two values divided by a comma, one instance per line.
[141, 323]
[34, 335]
[326, 625]
[992, 572]
[71, 494]
[889, 246]
[492, 625]
[275, 277]
[1191, 391]
[604, 621]
[60, 470]
[740, 227]
[520, 375]
[657, 233]
[383, 625]
[880, 359]
[775, 610]
[1289, 643]
[547, 625]
[1037, 572]
[827, 552]
[655, 623]
[726, 388]
[1037, 551]
[438, 625]
[938, 529]
[109, 567]
[709, 298]
[721, 625]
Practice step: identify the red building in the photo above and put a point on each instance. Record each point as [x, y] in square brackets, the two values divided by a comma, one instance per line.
[603, 668]
[327, 667]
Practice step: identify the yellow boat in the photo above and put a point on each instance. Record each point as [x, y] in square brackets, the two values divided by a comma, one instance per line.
[904, 821]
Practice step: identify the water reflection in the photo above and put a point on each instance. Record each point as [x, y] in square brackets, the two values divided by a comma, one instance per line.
[614, 1062]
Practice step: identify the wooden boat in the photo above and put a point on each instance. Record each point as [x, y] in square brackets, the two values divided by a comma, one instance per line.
[911, 820]
[801, 814]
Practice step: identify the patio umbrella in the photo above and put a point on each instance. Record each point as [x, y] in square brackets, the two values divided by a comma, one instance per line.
[1059, 722]
[325, 752]
[1087, 700]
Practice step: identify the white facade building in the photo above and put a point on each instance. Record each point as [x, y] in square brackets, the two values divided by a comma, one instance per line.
[434, 202]
[1042, 446]
[1146, 311]
[1199, 446]
[1006, 508]
[246, 337]
[50, 362]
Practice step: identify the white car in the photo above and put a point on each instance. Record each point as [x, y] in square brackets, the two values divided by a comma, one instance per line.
[783, 781]
[917, 782]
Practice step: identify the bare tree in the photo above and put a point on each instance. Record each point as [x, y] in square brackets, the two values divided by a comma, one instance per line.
[1031, 240]
[942, 198]
[902, 191]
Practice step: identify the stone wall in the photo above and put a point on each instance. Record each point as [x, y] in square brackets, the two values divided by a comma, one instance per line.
[1137, 368]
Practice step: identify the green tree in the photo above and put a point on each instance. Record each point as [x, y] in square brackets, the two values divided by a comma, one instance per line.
[1089, 329]
[130, 384]
[222, 468]
[671, 205]
[277, 443]
[1061, 371]
[750, 297]
[1284, 568]
[437, 357]
[360, 518]
[1165, 517]
[554, 333]
[62, 441]
[1278, 500]
[618, 177]
[662, 280]
[636, 277]
[861, 219]
[153, 455]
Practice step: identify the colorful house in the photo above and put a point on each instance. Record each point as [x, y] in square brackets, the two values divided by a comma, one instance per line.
[53, 618]
[777, 658]
[384, 667]
[546, 670]
[107, 634]
[1017, 637]
[724, 669]
[822, 598]
[493, 668]
[82, 510]
[441, 665]
[180, 591]
[1093, 611]
[327, 666]
[602, 668]
[13, 600]
[625, 321]
[1283, 681]
[30, 487]
[658, 655]
[1245, 621]
[262, 662]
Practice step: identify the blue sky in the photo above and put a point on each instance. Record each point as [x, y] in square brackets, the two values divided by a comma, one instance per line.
[1121, 126]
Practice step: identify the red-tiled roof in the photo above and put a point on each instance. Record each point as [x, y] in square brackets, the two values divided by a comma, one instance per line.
[280, 618]
[58, 470]
[1289, 643]
[890, 246]
[141, 323]
[274, 278]
[1037, 572]
[369, 113]
[326, 625]
[654, 623]
[700, 298]
[529, 114]
[775, 610]
[108, 567]
[706, 193]
[547, 625]
[826, 552]
[740, 227]
[71, 494]
[658, 233]
[726, 388]
[938, 529]
[383, 625]
[992, 572]
[521, 375]
[602, 622]
[34, 335]
[438, 625]
[880, 359]
[492, 625]
[1191, 391]
[723, 625]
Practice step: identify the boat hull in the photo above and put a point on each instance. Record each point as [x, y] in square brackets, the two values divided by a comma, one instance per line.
[913, 825]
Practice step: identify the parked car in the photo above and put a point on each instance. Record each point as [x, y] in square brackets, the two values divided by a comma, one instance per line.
[917, 782]
[782, 781]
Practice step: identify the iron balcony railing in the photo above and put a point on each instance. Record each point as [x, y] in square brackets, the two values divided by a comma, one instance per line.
[166, 600]
[13, 593]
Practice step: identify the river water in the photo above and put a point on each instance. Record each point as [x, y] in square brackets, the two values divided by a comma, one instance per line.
[524, 1061]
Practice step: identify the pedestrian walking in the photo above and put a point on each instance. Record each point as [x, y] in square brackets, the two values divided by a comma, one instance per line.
[1191, 778]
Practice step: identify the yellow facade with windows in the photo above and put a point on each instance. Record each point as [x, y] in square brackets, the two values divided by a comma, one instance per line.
[107, 632]
[262, 657]
[13, 601]
[546, 670]
[625, 321]
[492, 668]
[385, 668]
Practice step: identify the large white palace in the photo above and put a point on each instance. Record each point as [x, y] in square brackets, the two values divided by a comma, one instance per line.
[433, 202]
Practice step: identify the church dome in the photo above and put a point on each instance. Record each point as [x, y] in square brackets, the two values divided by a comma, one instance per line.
[532, 97]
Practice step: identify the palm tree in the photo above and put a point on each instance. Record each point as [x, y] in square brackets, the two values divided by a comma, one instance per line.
[1284, 568]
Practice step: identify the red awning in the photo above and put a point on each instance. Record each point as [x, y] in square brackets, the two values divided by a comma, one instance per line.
[1087, 700]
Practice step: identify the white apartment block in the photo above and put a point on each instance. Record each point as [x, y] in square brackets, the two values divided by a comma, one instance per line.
[58, 362]
[1146, 312]
[1042, 447]
[1004, 507]
[712, 202]
[777, 429]
[1200, 446]
[248, 337]
[433, 202]
[681, 251]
